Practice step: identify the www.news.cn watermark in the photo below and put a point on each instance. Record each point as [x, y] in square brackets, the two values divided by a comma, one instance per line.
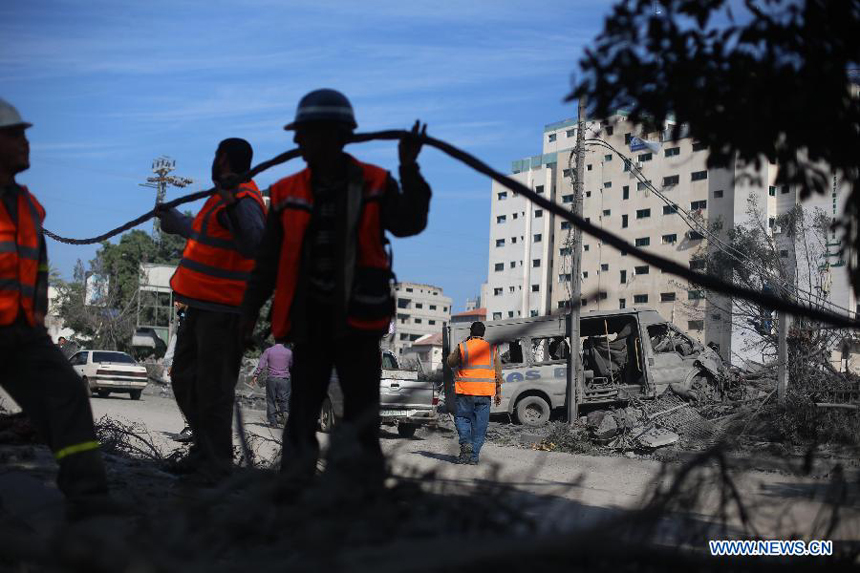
[770, 548]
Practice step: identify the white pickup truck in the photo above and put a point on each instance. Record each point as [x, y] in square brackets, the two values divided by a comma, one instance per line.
[404, 400]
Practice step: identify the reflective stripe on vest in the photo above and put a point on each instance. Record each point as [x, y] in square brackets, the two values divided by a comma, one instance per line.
[292, 198]
[19, 258]
[212, 269]
[476, 375]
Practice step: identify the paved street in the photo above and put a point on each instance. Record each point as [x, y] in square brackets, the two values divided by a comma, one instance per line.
[578, 489]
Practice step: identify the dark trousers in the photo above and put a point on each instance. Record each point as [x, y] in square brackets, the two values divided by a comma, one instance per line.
[357, 360]
[277, 399]
[41, 380]
[471, 418]
[206, 365]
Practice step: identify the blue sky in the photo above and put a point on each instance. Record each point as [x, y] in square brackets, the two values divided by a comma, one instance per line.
[112, 85]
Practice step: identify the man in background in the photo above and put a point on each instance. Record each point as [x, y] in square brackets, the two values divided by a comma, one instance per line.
[277, 360]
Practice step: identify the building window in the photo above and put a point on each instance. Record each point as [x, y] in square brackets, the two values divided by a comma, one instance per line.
[564, 277]
[404, 336]
[640, 298]
[583, 302]
[607, 184]
[670, 239]
[643, 213]
[642, 186]
[627, 138]
[516, 215]
[417, 321]
[697, 265]
[644, 157]
[626, 165]
[699, 146]
[785, 189]
[643, 241]
[564, 251]
[433, 306]
[671, 180]
[698, 175]
[499, 267]
[565, 225]
[567, 198]
[586, 247]
[513, 240]
[695, 325]
[551, 137]
[408, 289]
[623, 277]
[607, 212]
[565, 172]
[533, 313]
[535, 263]
[502, 195]
[771, 190]
[510, 314]
[588, 167]
[497, 316]
[538, 237]
[513, 264]
[623, 221]
[588, 193]
[718, 194]
[642, 270]
[538, 213]
[695, 294]
[667, 297]
[585, 274]
[570, 133]
[604, 266]
[670, 209]
[622, 303]
[672, 151]
[539, 189]
[497, 291]
[695, 235]
[419, 305]
[696, 205]
[431, 322]
[500, 242]
[501, 219]
[512, 289]
[610, 129]
[535, 288]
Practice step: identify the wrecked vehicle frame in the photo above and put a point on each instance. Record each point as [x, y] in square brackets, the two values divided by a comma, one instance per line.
[626, 354]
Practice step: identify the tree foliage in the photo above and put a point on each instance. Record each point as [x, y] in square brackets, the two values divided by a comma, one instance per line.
[110, 323]
[763, 79]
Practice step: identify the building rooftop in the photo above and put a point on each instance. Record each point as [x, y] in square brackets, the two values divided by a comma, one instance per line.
[434, 339]
[476, 312]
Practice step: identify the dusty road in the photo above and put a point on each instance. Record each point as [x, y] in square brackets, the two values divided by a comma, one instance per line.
[568, 490]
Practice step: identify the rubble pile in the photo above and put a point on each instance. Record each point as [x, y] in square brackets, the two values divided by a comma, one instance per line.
[16, 429]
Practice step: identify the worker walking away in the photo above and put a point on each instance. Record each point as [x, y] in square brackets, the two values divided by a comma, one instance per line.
[277, 360]
[184, 436]
[35, 373]
[211, 279]
[324, 255]
[478, 378]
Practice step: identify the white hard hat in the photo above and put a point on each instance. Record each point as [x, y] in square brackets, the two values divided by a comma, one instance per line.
[9, 116]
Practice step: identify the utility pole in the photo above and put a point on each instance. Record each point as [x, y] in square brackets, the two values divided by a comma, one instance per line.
[782, 356]
[162, 167]
[574, 367]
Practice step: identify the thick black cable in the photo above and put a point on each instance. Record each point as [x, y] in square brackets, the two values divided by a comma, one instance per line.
[710, 282]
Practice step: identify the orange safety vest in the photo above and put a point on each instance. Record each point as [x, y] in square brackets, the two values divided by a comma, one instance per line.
[369, 309]
[212, 269]
[476, 375]
[19, 258]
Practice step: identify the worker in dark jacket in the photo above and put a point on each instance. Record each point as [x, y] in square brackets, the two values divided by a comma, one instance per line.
[324, 254]
[211, 279]
[35, 372]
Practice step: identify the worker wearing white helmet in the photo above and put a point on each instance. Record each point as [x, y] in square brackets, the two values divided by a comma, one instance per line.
[35, 372]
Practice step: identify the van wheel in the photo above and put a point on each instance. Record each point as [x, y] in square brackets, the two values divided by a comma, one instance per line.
[327, 416]
[406, 430]
[103, 393]
[533, 411]
[135, 394]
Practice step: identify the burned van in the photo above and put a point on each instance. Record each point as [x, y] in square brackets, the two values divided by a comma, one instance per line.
[625, 353]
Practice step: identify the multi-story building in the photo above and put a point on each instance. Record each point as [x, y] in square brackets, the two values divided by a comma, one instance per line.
[663, 197]
[421, 309]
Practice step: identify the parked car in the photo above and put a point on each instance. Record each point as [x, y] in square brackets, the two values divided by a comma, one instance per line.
[626, 353]
[108, 371]
[404, 400]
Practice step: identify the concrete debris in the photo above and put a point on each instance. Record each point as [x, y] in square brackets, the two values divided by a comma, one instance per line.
[657, 438]
[607, 429]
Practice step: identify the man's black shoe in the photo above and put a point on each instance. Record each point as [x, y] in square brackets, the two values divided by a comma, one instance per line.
[184, 436]
[465, 454]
